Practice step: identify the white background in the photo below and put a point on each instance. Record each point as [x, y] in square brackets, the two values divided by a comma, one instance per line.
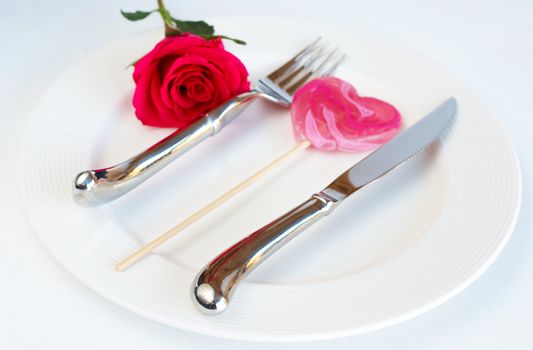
[487, 43]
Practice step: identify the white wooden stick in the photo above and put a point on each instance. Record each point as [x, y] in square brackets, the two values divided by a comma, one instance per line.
[147, 248]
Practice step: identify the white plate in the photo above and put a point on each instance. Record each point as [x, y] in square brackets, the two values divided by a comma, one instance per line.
[396, 249]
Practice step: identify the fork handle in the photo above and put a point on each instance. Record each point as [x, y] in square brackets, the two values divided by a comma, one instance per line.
[215, 284]
[95, 187]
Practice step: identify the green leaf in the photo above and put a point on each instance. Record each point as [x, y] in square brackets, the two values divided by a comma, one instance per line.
[203, 29]
[199, 28]
[236, 41]
[132, 64]
[137, 15]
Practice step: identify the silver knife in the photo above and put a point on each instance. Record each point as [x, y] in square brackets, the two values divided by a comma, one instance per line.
[214, 286]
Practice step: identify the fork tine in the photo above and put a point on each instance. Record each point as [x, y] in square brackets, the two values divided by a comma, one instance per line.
[291, 90]
[333, 67]
[315, 60]
[318, 71]
[287, 78]
[290, 63]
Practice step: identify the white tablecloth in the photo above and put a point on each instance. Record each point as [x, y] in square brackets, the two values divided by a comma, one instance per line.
[487, 43]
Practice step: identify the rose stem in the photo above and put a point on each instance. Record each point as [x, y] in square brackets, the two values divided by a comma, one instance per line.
[170, 28]
[147, 248]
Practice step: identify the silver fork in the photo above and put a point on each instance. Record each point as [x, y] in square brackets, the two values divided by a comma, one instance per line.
[95, 187]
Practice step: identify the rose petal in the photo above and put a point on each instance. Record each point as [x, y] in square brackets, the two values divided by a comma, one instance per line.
[142, 101]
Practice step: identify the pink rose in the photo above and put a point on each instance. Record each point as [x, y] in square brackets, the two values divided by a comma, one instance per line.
[182, 78]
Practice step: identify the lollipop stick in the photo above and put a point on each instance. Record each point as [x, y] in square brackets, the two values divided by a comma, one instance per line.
[147, 248]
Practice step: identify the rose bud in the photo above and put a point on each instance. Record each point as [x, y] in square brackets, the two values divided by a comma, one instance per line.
[184, 77]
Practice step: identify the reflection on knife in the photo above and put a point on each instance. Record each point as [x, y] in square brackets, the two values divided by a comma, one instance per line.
[215, 284]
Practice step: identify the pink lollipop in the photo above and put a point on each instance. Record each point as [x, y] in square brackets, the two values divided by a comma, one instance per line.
[330, 114]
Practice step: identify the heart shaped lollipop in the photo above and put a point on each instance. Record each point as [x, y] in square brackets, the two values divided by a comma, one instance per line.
[326, 113]
[332, 116]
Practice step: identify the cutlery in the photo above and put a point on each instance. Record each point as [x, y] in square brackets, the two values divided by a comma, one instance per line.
[95, 187]
[214, 286]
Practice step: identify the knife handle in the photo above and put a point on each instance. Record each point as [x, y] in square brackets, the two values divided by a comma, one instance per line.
[95, 187]
[214, 286]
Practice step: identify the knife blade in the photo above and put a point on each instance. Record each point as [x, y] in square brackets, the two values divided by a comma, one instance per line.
[395, 152]
[214, 286]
